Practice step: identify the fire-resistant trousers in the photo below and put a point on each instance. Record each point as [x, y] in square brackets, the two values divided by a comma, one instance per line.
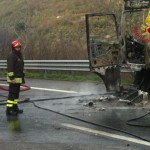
[13, 96]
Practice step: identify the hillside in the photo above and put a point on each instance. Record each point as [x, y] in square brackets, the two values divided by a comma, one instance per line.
[49, 29]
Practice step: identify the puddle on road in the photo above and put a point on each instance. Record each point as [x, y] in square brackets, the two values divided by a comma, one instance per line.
[14, 124]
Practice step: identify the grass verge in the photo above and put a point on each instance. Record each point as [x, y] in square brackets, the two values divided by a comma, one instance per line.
[73, 76]
[64, 76]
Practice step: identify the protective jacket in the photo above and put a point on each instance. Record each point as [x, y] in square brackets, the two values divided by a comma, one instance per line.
[15, 67]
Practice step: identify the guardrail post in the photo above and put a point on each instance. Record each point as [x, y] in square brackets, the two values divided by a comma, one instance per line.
[45, 74]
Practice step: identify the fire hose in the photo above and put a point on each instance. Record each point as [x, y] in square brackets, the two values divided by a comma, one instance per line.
[23, 87]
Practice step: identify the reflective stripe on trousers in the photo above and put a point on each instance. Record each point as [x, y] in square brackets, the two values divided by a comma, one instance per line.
[10, 103]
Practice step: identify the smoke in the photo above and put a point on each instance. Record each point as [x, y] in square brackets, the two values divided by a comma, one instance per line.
[91, 88]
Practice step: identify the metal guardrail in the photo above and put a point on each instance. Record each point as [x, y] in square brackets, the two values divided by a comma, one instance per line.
[61, 65]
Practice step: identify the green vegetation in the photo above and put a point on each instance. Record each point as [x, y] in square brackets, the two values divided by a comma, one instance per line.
[126, 78]
[2, 74]
[49, 29]
[64, 76]
[60, 76]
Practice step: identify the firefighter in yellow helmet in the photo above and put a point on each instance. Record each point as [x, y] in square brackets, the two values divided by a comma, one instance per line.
[15, 77]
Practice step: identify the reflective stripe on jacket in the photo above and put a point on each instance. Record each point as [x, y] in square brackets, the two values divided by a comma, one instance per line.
[17, 80]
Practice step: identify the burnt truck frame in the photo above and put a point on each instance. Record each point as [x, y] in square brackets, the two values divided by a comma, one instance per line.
[106, 58]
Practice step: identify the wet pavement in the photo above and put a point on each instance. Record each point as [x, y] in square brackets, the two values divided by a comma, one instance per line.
[39, 129]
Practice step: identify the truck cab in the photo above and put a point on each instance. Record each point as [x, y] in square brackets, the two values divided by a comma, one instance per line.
[118, 44]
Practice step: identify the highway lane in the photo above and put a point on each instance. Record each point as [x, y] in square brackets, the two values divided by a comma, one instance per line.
[40, 129]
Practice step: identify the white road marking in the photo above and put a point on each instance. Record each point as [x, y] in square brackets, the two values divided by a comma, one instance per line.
[54, 90]
[99, 133]
[47, 89]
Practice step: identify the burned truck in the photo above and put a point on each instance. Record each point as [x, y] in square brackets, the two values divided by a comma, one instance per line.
[121, 44]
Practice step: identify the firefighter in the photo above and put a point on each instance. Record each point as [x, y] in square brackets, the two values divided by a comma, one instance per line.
[15, 77]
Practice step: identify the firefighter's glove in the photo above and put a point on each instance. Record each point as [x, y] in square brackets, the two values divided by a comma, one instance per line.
[13, 81]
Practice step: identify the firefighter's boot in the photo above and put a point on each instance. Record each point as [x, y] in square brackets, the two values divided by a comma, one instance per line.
[16, 108]
[10, 112]
[9, 109]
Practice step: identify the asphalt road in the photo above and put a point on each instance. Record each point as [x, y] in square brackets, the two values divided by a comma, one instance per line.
[39, 129]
